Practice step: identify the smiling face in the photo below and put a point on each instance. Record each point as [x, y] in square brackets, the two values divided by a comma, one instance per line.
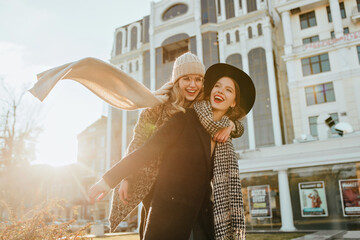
[223, 95]
[190, 86]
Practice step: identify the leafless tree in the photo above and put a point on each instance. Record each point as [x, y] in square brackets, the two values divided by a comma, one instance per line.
[19, 127]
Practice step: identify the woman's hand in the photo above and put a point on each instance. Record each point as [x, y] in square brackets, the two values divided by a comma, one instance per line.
[123, 191]
[223, 134]
[163, 93]
[98, 191]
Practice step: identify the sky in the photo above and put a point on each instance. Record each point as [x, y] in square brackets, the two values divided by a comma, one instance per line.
[41, 34]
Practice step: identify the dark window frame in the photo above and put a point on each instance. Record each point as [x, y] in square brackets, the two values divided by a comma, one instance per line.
[311, 39]
[250, 34]
[342, 11]
[229, 9]
[251, 6]
[228, 39]
[170, 12]
[326, 90]
[237, 36]
[306, 18]
[133, 41]
[259, 28]
[322, 60]
[119, 42]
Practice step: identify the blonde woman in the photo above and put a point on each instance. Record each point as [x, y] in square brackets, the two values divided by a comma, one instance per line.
[181, 206]
[184, 89]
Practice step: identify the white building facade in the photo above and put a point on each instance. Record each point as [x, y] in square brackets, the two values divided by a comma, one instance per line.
[301, 74]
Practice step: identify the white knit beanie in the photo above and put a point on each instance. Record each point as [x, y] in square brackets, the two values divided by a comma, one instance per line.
[185, 64]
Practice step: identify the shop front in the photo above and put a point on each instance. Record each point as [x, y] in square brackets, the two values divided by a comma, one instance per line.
[307, 186]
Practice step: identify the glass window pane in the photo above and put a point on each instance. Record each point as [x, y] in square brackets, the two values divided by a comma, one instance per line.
[303, 24]
[313, 126]
[325, 66]
[306, 40]
[314, 59]
[305, 67]
[315, 68]
[324, 56]
[330, 96]
[315, 39]
[320, 97]
[310, 97]
[342, 10]
[329, 13]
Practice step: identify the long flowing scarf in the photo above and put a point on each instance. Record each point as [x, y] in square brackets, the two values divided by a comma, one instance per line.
[228, 203]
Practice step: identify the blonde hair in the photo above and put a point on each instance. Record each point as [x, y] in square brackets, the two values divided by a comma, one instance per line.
[177, 100]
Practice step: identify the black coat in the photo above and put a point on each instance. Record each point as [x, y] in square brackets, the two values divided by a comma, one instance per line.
[182, 189]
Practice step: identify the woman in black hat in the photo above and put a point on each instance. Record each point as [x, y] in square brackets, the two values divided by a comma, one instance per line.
[197, 193]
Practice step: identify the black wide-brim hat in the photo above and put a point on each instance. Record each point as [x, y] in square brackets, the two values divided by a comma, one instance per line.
[246, 85]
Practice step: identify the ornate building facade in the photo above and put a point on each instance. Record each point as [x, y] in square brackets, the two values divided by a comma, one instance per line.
[304, 59]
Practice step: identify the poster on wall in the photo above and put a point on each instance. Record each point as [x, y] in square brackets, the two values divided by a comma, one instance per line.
[259, 201]
[350, 197]
[313, 199]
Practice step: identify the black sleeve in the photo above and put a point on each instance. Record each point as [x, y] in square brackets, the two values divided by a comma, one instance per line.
[239, 129]
[163, 138]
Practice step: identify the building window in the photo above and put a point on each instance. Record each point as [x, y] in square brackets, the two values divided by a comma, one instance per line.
[228, 41]
[229, 9]
[237, 36]
[358, 52]
[313, 126]
[250, 32]
[315, 64]
[342, 12]
[208, 11]
[251, 5]
[345, 31]
[174, 11]
[210, 48]
[259, 28]
[263, 123]
[133, 38]
[130, 67]
[219, 7]
[174, 50]
[320, 94]
[332, 34]
[118, 46]
[137, 65]
[240, 4]
[307, 20]
[358, 5]
[311, 39]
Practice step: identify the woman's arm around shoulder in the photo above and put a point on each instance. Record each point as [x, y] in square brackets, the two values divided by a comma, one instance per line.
[238, 130]
[155, 145]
